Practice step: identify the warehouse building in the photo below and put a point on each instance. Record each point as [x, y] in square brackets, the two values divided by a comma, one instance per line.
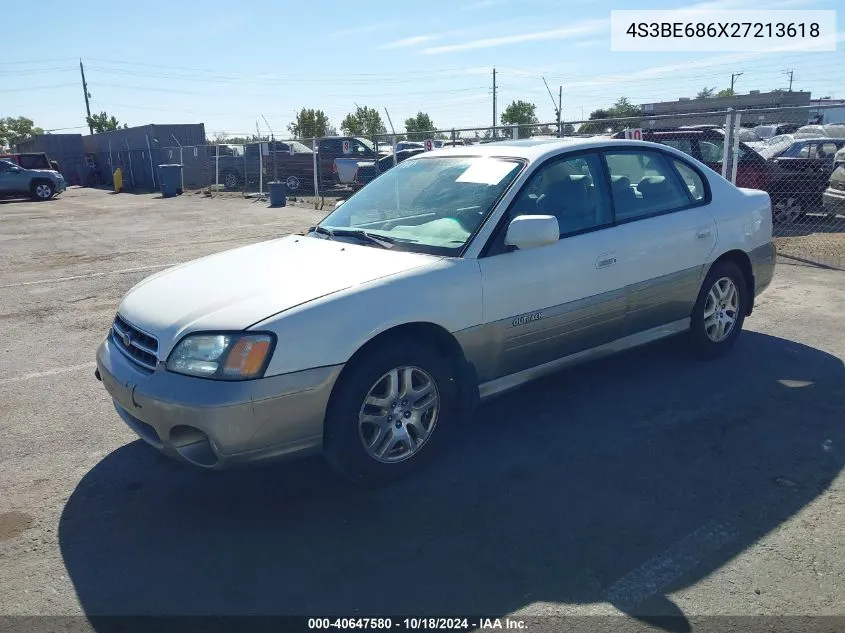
[792, 107]
[138, 150]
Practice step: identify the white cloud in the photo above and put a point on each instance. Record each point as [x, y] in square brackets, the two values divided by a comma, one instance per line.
[581, 28]
[408, 42]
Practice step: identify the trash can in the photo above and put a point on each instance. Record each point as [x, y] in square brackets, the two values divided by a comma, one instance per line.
[277, 194]
[170, 180]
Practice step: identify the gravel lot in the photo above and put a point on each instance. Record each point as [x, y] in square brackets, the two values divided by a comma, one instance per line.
[645, 485]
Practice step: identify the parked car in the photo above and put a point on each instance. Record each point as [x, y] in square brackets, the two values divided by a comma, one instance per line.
[831, 130]
[769, 130]
[833, 198]
[39, 184]
[448, 280]
[800, 175]
[402, 145]
[707, 144]
[355, 172]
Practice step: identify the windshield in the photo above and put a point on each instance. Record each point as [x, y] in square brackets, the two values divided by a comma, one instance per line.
[429, 205]
[776, 146]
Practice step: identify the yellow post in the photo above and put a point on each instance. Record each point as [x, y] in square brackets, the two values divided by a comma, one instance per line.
[118, 180]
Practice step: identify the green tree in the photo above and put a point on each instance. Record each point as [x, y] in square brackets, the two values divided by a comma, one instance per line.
[103, 122]
[13, 130]
[419, 127]
[365, 121]
[522, 113]
[621, 109]
[705, 93]
[725, 92]
[309, 123]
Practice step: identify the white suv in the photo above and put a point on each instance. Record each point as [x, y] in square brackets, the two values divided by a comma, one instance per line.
[453, 277]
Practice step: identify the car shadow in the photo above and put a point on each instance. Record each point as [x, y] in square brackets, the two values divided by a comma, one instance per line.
[584, 487]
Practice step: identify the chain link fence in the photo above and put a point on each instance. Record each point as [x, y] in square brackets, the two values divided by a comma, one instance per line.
[784, 151]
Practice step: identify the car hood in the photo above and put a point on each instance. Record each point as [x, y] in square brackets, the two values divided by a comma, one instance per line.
[238, 288]
[44, 172]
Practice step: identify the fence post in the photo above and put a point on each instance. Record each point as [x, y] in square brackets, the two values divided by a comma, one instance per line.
[260, 168]
[152, 168]
[216, 169]
[726, 150]
[182, 171]
[393, 142]
[454, 137]
[316, 175]
[735, 146]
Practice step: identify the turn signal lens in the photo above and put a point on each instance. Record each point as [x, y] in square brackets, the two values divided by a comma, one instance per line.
[247, 357]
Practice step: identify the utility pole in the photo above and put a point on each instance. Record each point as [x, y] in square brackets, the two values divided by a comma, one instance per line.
[559, 108]
[556, 104]
[790, 73]
[87, 96]
[494, 102]
[733, 80]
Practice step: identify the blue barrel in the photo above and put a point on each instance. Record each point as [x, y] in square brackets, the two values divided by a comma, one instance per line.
[170, 180]
[277, 194]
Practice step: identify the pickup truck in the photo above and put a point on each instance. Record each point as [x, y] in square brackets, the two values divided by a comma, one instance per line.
[356, 172]
[291, 161]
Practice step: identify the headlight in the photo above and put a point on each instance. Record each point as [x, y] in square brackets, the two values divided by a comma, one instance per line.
[232, 356]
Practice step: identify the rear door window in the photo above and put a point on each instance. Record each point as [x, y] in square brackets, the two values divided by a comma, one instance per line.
[643, 184]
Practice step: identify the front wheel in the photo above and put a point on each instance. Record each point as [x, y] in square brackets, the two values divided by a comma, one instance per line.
[719, 311]
[389, 411]
[43, 190]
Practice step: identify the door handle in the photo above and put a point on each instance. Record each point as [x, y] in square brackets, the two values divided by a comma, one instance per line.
[703, 234]
[605, 260]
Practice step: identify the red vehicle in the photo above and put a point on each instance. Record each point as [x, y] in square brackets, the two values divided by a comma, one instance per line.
[31, 160]
[708, 146]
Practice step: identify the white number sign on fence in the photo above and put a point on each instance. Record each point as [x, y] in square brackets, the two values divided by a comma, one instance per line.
[347, 147]
[429, 145]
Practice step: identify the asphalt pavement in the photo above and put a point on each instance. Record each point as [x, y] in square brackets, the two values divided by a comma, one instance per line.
[644, 485]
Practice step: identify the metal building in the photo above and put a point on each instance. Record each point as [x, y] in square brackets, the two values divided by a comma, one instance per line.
[66, 149]
[139, 150]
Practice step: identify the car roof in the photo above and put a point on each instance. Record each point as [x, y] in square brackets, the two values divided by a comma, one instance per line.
[538, 149]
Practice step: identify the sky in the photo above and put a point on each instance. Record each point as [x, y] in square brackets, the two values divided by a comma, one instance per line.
[231, 65]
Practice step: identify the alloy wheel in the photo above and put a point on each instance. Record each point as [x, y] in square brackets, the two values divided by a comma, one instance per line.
[399, 414]
[721, 310]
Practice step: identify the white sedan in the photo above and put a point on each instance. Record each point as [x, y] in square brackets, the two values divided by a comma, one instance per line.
[451, 278]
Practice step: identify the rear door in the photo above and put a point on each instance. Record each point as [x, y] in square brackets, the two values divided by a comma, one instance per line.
[665, 234]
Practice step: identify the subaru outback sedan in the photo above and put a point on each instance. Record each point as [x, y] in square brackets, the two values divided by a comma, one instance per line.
[455, 276]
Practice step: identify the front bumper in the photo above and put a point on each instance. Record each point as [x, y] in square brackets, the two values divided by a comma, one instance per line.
[61, 185]
[216, 424]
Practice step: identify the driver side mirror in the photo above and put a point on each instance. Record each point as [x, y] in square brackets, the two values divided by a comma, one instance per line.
[338, 203]
[15, 169]
[532, 231]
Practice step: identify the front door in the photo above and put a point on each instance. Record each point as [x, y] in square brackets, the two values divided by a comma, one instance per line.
[12, 178]
[546, 303]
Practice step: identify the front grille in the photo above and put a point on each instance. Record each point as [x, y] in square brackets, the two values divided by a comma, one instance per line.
[137, 345]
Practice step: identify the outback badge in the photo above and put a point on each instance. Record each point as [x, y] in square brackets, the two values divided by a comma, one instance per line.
[527, 318]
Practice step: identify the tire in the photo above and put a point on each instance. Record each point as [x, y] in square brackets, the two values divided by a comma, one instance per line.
[350, 421]
[231, 180]
[42, 190]
[293, 183]
[705, 337]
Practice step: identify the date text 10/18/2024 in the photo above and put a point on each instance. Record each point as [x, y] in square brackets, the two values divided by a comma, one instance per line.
[417, 624]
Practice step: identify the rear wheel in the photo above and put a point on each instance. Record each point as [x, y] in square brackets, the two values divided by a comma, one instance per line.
[719, 311]
[389, 412]
[789, 210]
[231, 180]
[42, 190]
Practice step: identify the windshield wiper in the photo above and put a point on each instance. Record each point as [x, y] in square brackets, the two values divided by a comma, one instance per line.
[381, 241]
